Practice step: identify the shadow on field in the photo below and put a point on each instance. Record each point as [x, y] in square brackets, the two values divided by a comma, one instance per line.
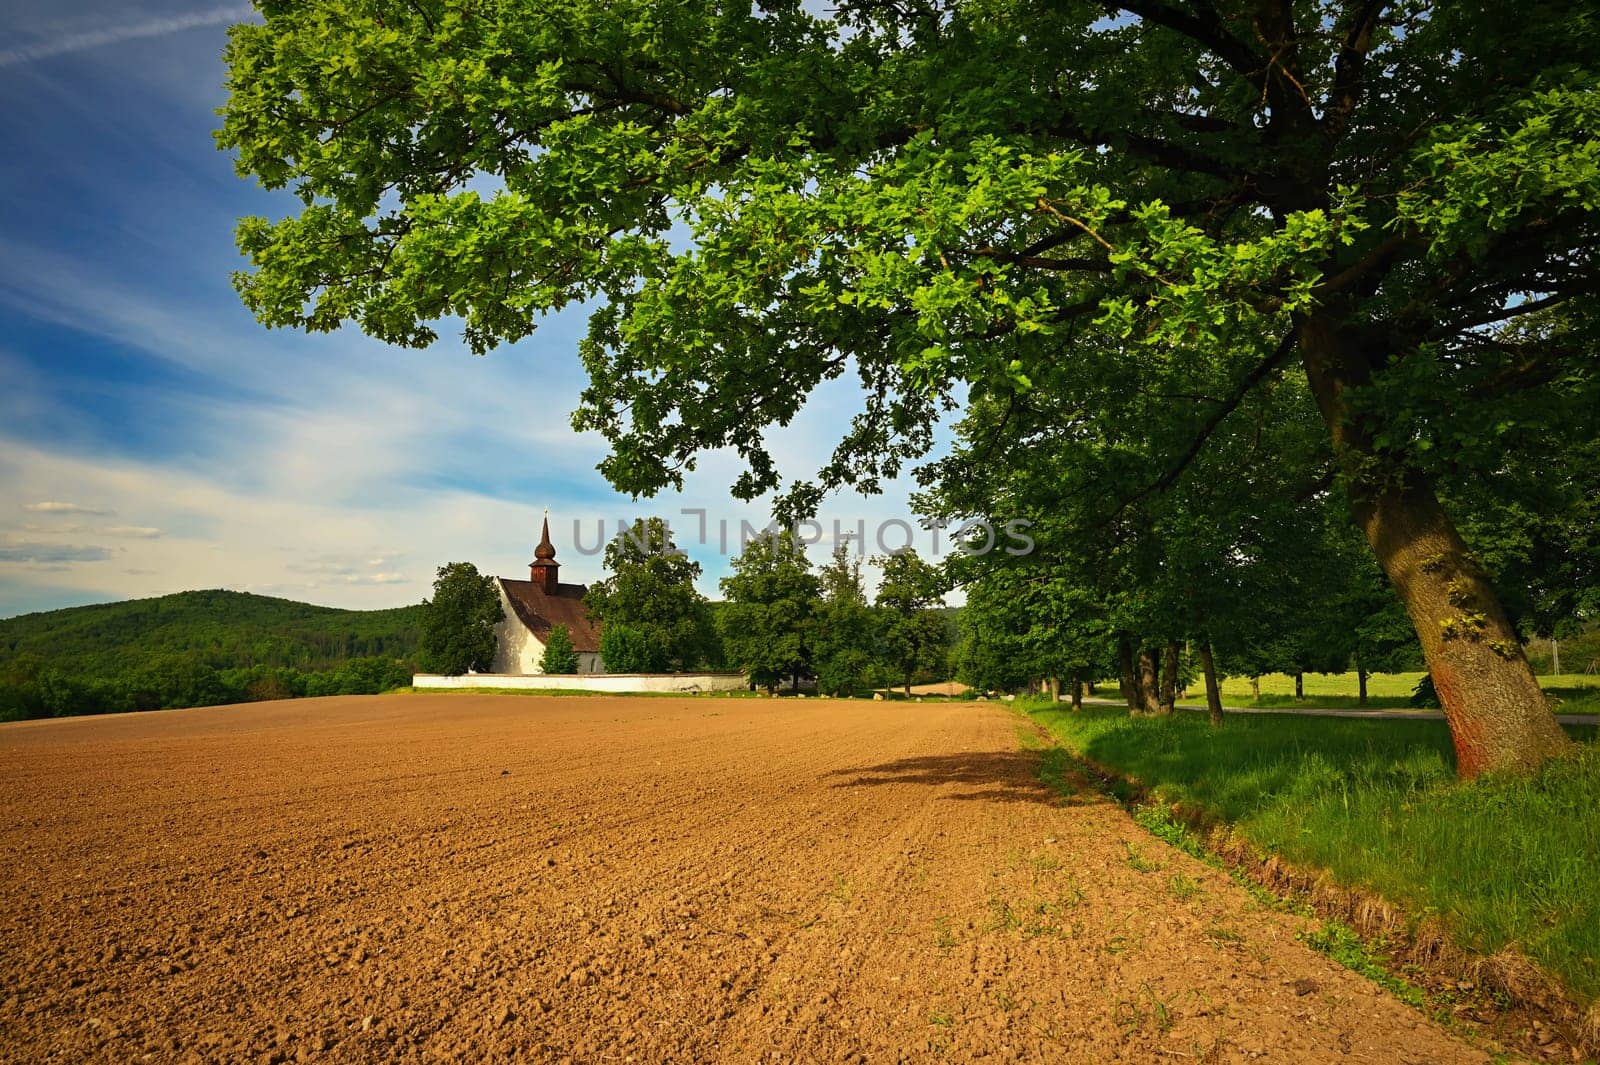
[1001, 776]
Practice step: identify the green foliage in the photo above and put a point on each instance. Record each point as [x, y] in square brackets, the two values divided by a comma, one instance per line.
[958, 190]
[458, 623]
[197, 649]
[915, 637]
[1376, 803]
[768, 621]
[626, 649]
[559, 656]
[663, 622]
[847, 641]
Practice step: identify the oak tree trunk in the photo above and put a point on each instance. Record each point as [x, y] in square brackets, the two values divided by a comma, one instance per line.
[1497, 714]
[1255, 688]
[1149, 696]
[1299, 685]
[1213, 690]
[1361, 687]
[1130, 679]
[1077, 693]
[1169, 678]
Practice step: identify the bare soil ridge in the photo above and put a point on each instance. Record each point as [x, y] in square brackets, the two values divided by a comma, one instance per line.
[465, 877]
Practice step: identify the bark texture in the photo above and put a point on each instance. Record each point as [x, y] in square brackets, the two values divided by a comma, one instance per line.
[1130, 679]
[1169, 678]
[1498, 716]
[1149, 696]
[1213, 689]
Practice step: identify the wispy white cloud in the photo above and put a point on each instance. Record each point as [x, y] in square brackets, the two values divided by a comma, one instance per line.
[138, 532]
[52, 554]
[100, 38]
[51, 506]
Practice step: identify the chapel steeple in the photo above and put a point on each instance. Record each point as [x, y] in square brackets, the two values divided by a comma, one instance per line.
[542, 570]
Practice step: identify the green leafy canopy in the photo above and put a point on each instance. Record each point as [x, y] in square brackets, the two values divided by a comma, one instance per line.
[968, 195]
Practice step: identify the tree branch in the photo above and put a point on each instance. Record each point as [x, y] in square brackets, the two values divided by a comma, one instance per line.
[1259, 373]
[1379, 257]
[1349, 66]
[1204, 28]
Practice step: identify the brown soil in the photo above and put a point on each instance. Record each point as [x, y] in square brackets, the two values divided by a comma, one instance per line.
[465, 878]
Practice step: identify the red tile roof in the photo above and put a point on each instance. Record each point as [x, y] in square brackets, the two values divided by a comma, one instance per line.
[541, 612]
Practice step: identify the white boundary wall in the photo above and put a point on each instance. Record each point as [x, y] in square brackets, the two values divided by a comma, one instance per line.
[592, 682]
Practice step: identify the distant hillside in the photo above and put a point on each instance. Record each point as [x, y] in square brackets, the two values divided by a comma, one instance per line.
[197, 648]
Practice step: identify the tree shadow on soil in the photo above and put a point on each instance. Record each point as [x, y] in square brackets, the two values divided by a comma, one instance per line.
[1001, 776]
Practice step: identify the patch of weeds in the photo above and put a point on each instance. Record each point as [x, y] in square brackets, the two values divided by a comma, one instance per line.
[1127, 1015]
[1267, 899]
[1002, 918]
[1159, 822]
[843, 890]
[1339, 942]
[1138, 862]
[1220, 935]
[1004, 999]
[1041, 912]
[1055, 767]
[1116, 945]
[941, 1020]
[1045, 863]
[943, 937]
[1158, 1009]
[1183, 887]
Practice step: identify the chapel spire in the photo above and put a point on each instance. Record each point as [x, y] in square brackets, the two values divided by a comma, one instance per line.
[542, 570]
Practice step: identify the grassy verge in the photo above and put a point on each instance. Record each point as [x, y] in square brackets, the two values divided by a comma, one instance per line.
[1501, 862]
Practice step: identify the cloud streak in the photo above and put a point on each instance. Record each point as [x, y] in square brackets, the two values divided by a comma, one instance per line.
[51, 554]
[81, 42]
[51, 506]
[137, 532]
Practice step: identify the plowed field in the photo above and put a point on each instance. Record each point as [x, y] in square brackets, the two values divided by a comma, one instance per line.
[471, 878]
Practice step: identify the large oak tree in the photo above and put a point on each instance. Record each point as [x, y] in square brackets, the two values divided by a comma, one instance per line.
[944, 197]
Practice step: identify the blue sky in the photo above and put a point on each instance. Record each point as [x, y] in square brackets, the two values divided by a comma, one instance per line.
[154, 438]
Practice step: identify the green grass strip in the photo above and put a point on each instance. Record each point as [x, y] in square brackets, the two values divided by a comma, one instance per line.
[1503, 862]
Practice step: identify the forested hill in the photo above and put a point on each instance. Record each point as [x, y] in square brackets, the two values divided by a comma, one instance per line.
[197, 648]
